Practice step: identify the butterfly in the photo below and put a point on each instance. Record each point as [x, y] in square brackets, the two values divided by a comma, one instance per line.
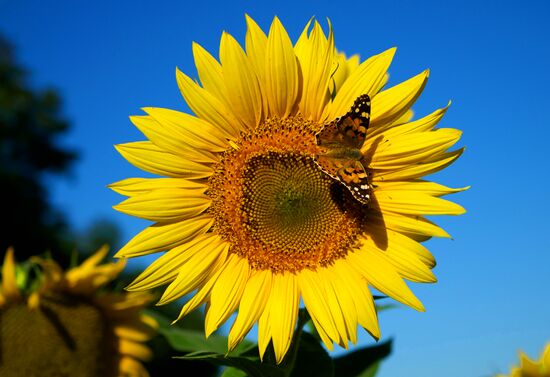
[340, 142]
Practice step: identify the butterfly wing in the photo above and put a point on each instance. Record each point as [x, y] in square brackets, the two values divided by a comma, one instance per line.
[355, 177]
[353, 126]
[330, 166]
[350, 130]
[340, 142]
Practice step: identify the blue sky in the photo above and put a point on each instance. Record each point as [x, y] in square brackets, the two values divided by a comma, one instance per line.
[491, 58]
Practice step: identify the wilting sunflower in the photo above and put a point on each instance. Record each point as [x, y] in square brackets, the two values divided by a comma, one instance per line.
[298, 177]
[531, 368]
[62, 325]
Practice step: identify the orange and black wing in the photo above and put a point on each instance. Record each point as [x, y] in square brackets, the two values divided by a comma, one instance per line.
[350, 130]
[355, 177]
[341, 141]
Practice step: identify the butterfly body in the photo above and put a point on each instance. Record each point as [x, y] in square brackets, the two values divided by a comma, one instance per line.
[340, 143]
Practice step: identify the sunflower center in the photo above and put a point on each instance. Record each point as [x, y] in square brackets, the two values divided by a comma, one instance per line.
[275, 206]
[286, 201]
[64, 337]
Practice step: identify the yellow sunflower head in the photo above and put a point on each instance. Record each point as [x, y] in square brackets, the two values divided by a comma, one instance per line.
[298, 178]
[532, 368]
[60, 324]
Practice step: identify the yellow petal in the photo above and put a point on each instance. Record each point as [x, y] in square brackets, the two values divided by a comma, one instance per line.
[166, 267]
[187, 129]
[285, 302]
[150, 158]
[325, 338]
[406, 117]
[33, 302]
[302, 44]
[87, 276]
[382, 276]
[423, 124]
[226, 293]
[281, 77]
[210, 73]
[264, 328]
[206, 106]
[241, 82]
[129, 366]
[149, 321]
[392, 103]
[425, 187]
[364, 303]
[334, 302]
[545, 357]
[164, 236]
[138, 186]
[386, 239]
[429, 166]
[193, 270]
[134, 349]
[88, 281]
[120, 307]
[256, 42]
[415, 203]
[253, 302]
[343, 69]
[400, 252]
[346, 304]
[368, 78]
[424, 255]
[316, 56]
[316, 302]
[167, 139]
[528, 366]
[411, 149]
[10, 291]
[165, 205]
[134, 329]
[412, 225]
[204, 291]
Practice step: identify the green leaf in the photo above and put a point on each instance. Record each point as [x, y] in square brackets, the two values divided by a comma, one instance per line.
[312, 359]
[185, 340]
[233, 372]
[370, 371]
[362, 362]
[251, 366]
[188, 340]
[191, 340]
[213, 349]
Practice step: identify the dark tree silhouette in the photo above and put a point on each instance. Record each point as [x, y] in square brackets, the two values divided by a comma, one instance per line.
[30, 124]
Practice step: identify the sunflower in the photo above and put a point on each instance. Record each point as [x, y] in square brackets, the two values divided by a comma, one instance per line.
[531, 368]
[256, 211]
[62, 326]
